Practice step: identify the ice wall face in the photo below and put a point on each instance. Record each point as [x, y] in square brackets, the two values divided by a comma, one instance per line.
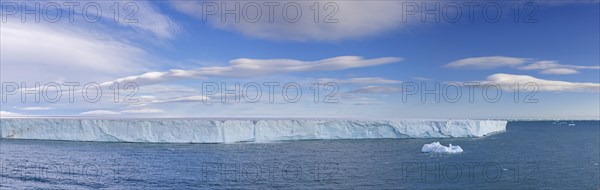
[228, 131]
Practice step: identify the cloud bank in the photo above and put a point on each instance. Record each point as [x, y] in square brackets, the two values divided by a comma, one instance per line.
[336, 20]
[244, 68]
[508, 80]
[543, 66]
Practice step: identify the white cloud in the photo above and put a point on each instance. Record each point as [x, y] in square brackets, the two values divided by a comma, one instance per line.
[245, 67]
[354, 19]
[35, 108]
[79, 50]
[561, 3]
[184, 99]
[9, 114]
[508, 80]
[376, 89]
[100, 112]
[486, 62]
[543, 66]
[257, 67]
[422, 78]
[360, 81]
[169, 90]
[363, 101]
[141, 16]
[559, 71]
[554, 67]
[129, 111]
[49, 53]
[143, 111]
[149, 19]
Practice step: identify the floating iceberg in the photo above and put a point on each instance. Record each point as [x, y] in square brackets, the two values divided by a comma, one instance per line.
[436, 147]
[238, 130]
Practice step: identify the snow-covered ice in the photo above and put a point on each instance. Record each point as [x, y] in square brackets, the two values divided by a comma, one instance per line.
[436, 147]
[238, 130]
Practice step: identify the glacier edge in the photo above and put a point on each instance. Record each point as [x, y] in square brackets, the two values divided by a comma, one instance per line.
[238, 130]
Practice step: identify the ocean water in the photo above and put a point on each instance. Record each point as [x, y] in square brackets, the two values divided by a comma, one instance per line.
[540, 154]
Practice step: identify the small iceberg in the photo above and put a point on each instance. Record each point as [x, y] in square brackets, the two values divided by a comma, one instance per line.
[436, 147]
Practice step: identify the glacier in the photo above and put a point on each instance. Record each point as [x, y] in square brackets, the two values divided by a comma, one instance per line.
[436, 147]
[238, 130]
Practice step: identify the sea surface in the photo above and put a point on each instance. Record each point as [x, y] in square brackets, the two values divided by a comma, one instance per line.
[530, 154]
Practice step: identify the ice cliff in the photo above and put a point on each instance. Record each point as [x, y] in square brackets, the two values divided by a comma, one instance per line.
[238, 130]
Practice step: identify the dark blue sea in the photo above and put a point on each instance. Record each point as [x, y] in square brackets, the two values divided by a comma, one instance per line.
[529, 155]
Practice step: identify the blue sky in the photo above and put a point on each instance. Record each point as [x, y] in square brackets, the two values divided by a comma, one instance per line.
[371, 55]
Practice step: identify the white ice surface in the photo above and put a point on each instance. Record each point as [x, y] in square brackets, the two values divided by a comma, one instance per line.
[436, 147]
[238, 130]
